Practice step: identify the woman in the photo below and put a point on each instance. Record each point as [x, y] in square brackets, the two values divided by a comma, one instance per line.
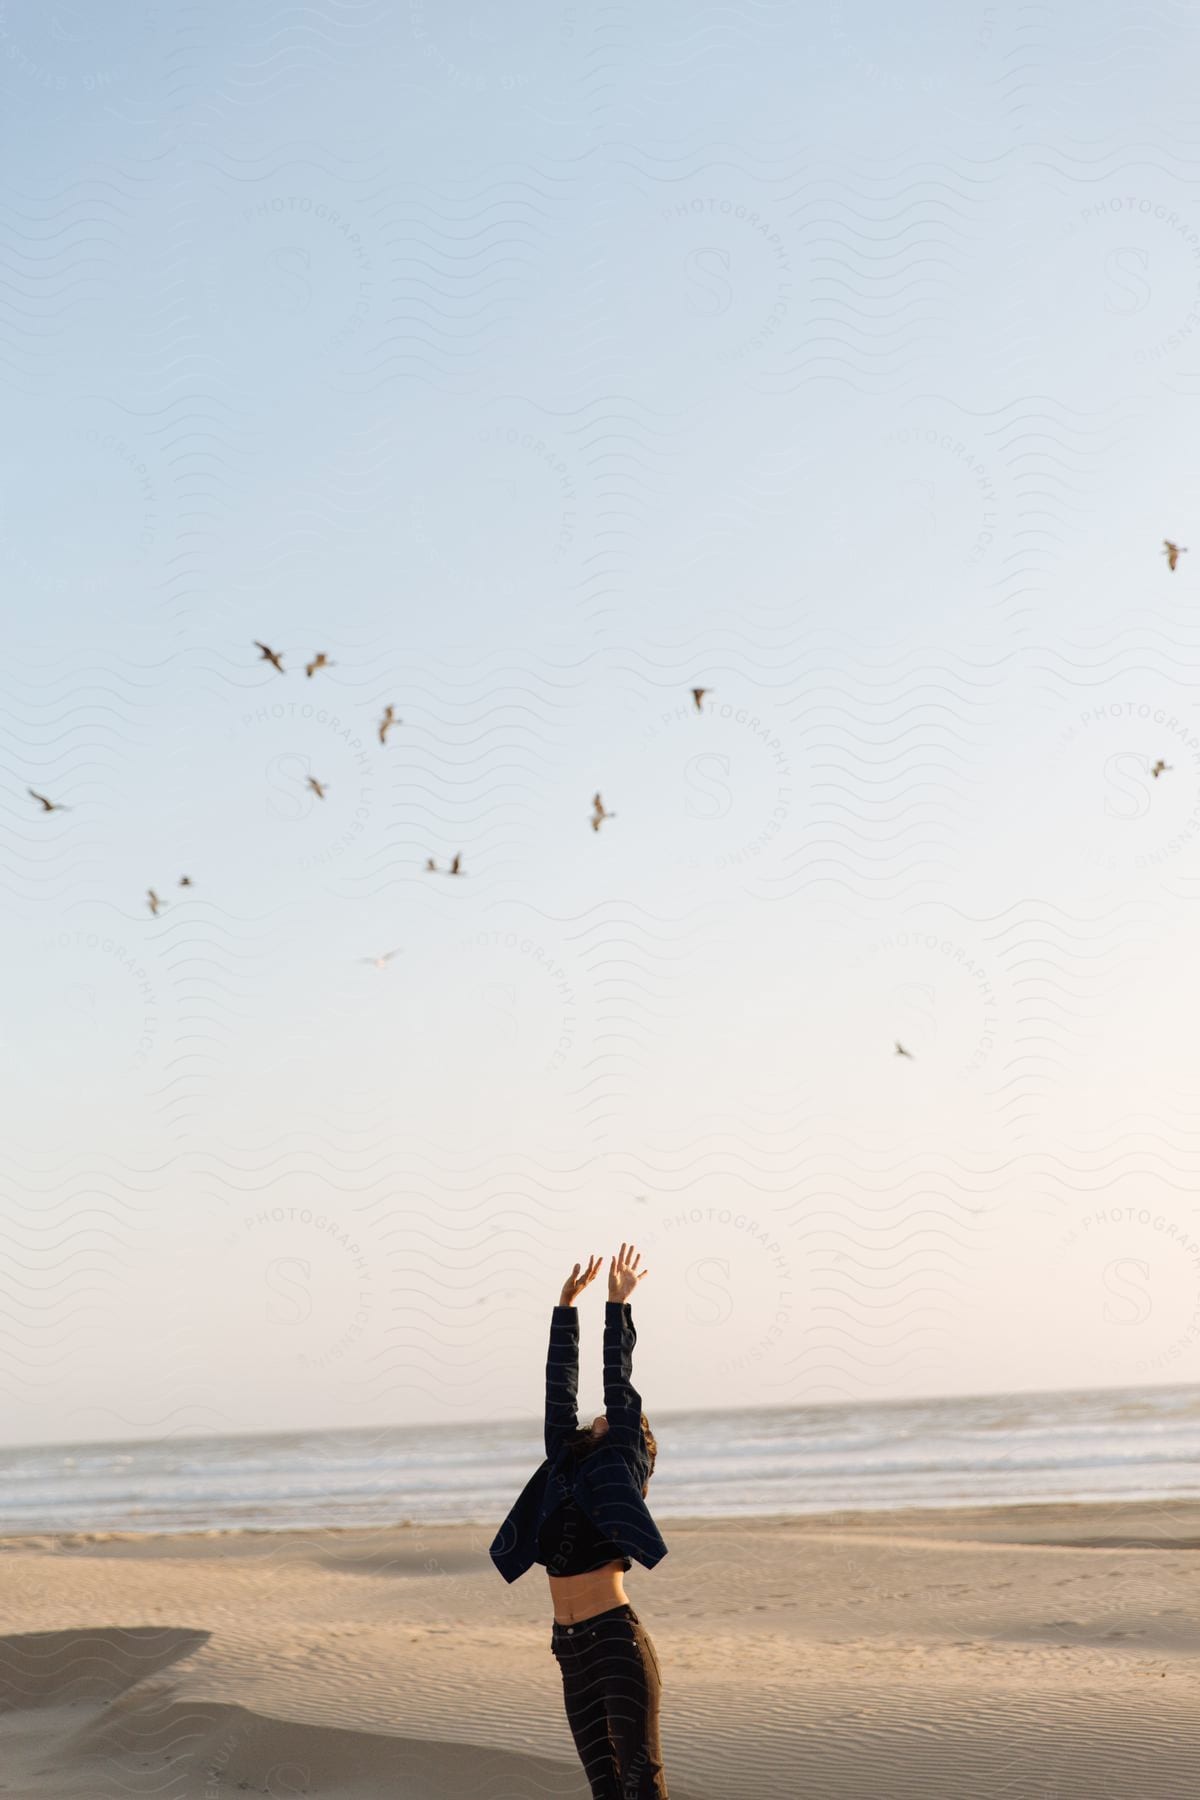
[584, 1516]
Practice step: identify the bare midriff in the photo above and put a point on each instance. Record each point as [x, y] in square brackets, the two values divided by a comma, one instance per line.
[579, 1597]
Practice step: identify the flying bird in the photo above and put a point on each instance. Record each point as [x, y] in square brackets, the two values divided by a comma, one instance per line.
[316, 787]
[698, 696]
[268, 655]
[154, 900]
[599, 813]
[1172, 552]
[388, 720]
[47, 805]
[1161, 768]
[319, 661]
[901, 1051]
[378, 962]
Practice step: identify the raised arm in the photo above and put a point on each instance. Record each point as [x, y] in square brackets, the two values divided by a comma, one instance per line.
[622, 1402]
[562, 1361]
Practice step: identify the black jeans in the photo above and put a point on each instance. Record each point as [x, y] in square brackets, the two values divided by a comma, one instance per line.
[611, 1687]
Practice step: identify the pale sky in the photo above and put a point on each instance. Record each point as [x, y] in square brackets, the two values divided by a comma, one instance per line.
[539, 366]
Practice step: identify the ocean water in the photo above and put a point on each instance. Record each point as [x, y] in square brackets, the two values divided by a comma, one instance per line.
[1103, 1445]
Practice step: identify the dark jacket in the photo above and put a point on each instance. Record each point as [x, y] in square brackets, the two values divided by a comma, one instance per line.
[607, 1484]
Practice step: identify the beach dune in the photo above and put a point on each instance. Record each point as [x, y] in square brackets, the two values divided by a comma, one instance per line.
[1027, 1653]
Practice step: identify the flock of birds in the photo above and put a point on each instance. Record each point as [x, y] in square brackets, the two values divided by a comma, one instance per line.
[321, 660]
[600, 812]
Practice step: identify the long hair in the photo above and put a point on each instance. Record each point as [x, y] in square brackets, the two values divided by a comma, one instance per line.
[584, 1441]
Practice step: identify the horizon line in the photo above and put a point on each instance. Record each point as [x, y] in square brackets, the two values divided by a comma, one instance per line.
[664, 1413]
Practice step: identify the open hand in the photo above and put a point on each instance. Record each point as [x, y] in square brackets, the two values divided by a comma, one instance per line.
[624, 1274]
[575, 1282]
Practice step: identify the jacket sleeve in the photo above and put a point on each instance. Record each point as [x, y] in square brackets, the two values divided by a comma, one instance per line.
[562, 1379]
[622, 1402]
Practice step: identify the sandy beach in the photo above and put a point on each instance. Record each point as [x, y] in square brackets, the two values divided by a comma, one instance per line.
[1047, 1652]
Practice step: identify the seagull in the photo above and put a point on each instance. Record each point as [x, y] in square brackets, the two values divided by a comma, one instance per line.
[599, 813]
[271, 656]
[1161, 768]
[1172, 552]
[901, 1051]
[698, 696]
[185, 881]
[316, 787]
[388, 720]
[377, 962]
[154, 900]
[319, 661]
[47, 805]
